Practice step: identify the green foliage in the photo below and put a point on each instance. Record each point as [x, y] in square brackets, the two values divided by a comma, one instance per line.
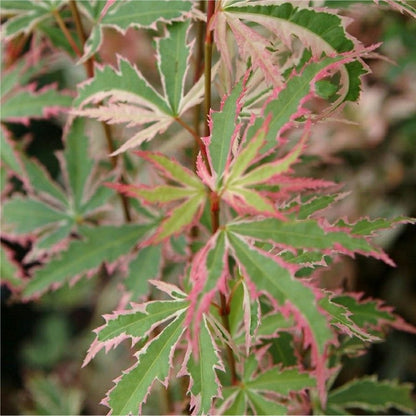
[233, 240]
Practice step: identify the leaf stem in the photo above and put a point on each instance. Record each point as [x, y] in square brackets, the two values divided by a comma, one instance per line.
[66, 32]
[89, 65]
[214, 197]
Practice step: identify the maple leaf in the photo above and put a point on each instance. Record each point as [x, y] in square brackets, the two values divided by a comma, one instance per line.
[59, 211]
[132, 100]
[191, 190]
[371, 395]
[154, 360]
[22, 101]
[126, 14]
[319, 32]
[265, 392]
[25, 15]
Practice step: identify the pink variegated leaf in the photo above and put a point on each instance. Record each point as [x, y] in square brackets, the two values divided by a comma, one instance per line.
[341, 318]
[202, 366]
[208, 274]
[252, 45]
[11, 271]
[321, 32]
[134, 324]
[125, 96]
[180, 218]
[84, 256]
[162, 194]
[244, 315]
[154, 362]
[401, 5]
[274, 277]
[308, 234]
[371, 314]
[224, 128]
[192, 191]
[28, 103]
[172, 169]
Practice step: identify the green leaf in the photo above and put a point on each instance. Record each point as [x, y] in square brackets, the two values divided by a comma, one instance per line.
[238, 404]
[174, 53]
[368, 227]
[145, 13]
[78, 162]
[365, 313]
[42, 183]
[154, 362]
[340, 317]
[266, 171]
[26, 104]
[372, 395]
[29, 215]
[205, 384]
[315, 204]
[181, 217]
[281, 382]
[8, 156]
[174, 170]
[26, 15]
[49, 239]
[283, 351]
[101, 244]
[127, 80]
[51, 397]
[320, 31]
[137, 324]
[145, 266]
[263, 406]
[302, 234]
[163, 193]
[282, 109]
[8, 270]
[100, 196]
[223, 127]
[276, 280]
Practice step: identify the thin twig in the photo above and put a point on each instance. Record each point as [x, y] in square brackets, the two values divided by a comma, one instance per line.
[66, 32]
[89, 64]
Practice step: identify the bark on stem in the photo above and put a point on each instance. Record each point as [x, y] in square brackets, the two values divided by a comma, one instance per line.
[214, 198]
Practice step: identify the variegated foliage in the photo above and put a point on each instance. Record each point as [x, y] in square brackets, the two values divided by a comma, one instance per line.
[243, 321]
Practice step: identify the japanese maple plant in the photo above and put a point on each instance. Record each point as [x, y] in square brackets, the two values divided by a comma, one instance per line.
[197, 206]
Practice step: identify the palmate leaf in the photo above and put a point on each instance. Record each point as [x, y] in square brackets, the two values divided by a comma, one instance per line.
[10, 270]
[25, 14]
[223, 126]
[322, 32]
[370, 314]
[273, 278]
[260, 392]
[56, 211]
[146, 265]
[133, 100]
[239, 186]
[372, 395]
[288, 104]
[100, 244]
[135, 323]
[204, 383]
[341, 318]
[192, 191]
[26, 103]
[154, 362]
[208, 273]
[307, 234]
